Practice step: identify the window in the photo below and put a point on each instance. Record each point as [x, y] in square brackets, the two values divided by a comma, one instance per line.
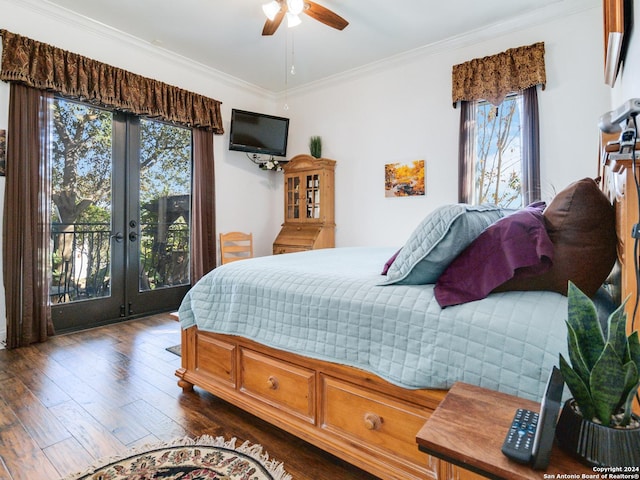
[498, 160]
[499, 152]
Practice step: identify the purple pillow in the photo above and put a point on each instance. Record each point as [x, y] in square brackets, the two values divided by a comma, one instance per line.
[385, 269]
[516, 243]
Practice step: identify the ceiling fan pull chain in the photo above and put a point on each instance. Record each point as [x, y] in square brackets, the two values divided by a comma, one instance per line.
[293, 55]
[286, 73]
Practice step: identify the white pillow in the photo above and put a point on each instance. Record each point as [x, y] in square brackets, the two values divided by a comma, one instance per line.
[438, 240]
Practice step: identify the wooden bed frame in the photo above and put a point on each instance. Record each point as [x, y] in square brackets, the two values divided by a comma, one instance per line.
[348, 412]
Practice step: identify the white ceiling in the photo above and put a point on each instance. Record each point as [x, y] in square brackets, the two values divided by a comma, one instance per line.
[226, 34]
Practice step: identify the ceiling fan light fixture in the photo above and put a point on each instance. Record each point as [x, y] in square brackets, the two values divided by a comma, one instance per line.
[276, 10]
[271, 9]
[293, 20]
[295, 6]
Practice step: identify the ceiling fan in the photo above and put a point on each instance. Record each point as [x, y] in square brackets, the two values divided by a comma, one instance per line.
[276, 10]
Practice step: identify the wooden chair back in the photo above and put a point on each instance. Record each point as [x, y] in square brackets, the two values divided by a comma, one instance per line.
[235, 246]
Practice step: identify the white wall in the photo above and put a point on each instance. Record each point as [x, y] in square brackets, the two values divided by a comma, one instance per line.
[397, 110]
[402, 111]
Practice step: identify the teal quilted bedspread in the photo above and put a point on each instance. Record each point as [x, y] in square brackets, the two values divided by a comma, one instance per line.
[328, 304]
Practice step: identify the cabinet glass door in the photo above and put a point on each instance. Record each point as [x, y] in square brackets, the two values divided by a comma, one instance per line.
[313, 196]
[293, 197]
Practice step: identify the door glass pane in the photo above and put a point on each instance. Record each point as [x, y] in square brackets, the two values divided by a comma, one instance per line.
[165, 204]
[81, 162]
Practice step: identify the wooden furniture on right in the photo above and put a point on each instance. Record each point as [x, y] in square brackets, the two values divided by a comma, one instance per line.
[621, 181]
[235, 246]
[468, 428]
[309, 220]
[618, 181]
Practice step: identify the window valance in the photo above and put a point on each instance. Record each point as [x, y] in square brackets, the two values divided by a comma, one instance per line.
[492, 78]
[45, 67]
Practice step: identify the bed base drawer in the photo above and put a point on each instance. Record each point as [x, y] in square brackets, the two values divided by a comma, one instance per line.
[349, 413]
[373, 419]
[215, 359]
[280, 384]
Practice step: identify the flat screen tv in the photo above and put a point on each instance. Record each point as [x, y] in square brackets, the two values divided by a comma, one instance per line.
[258, 133]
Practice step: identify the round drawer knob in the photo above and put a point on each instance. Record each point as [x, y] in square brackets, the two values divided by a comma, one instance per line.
[272, 383]
[372, 421]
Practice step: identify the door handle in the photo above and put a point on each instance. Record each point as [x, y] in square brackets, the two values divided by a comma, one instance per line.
[133, 236]
[118, 237]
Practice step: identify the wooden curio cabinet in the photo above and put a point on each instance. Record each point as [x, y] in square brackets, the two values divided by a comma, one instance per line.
[309, 221]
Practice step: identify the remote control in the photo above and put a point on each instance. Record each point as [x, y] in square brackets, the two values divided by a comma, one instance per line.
[518, 445]
[530, 437]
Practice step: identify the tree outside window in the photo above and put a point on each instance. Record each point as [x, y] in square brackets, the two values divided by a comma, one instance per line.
[498, 153]
[82, 163]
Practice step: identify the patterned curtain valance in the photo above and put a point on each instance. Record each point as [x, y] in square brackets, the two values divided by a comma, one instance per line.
[493, 78]
[46, 67]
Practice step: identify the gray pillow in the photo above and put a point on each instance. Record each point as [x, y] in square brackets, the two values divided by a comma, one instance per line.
[438, 240]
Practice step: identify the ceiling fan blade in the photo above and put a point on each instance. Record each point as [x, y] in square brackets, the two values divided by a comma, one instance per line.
[324, 15]
[271, 26]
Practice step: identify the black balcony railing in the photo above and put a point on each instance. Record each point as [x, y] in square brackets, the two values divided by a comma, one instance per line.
[81, 259]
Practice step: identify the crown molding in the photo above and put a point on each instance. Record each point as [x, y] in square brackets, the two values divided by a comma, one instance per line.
[49, 10]
[559, 9]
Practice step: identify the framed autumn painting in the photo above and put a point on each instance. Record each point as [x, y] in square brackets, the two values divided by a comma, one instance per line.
[404, 179]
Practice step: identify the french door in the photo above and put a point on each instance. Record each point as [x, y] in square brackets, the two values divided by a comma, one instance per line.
[121, 196]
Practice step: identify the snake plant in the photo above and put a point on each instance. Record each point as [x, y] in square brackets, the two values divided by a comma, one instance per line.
[604, 374]
[315, 146]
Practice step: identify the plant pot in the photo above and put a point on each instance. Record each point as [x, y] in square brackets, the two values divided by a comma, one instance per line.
[594, 444]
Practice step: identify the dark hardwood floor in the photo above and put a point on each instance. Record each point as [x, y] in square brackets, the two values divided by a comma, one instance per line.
[89, 395]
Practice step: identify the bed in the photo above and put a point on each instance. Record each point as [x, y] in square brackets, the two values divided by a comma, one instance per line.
[323, 345]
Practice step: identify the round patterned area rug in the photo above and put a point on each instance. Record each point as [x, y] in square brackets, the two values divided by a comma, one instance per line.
[204, 458]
